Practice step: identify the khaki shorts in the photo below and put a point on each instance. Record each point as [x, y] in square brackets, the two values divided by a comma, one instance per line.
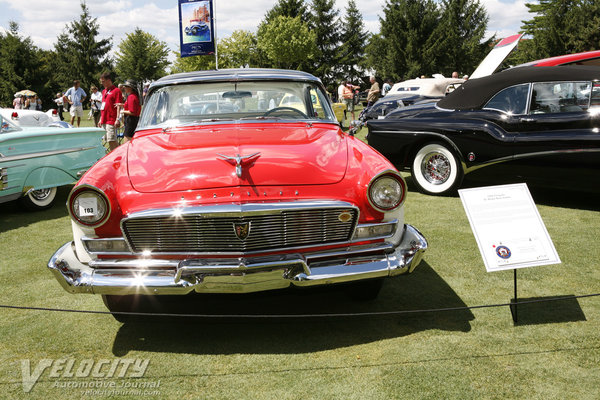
[76, 111]
[111, 133]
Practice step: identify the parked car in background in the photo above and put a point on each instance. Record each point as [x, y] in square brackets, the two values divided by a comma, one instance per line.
[29, 117]
[34, 161]
[538, 125]
[408, 93]
[590, 58]
[259, 197]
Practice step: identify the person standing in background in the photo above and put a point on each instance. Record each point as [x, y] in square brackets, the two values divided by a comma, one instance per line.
[75, 97]
[109, 110]
[374, 92]
[95, 103]
[131, 109]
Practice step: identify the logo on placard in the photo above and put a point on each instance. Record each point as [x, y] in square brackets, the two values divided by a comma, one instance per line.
[503, 252]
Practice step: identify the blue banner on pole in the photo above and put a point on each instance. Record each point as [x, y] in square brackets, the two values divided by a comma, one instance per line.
[196, 28]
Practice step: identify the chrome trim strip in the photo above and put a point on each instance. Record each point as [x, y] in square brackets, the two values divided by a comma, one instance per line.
[527, 155]
[44, 154]
[266, 274]
[235, 210]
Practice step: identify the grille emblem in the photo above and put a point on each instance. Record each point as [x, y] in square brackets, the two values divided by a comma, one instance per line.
[242, 229]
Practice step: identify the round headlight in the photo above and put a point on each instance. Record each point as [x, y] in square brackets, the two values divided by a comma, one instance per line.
[89, 207]
[386, 192]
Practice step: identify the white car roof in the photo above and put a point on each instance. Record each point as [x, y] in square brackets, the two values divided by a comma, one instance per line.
[425, 86]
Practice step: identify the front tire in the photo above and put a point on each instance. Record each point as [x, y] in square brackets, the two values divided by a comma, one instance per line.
[436, 170]
[116, 303]
[37, 200]
[364, 290]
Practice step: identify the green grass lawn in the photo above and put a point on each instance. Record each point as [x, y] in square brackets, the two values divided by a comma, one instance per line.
[467, 354]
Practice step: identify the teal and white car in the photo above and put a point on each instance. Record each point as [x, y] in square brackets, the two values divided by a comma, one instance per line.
[34, 161]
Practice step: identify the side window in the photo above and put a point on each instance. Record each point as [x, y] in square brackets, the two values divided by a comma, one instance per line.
[512, 100]
[560, 97]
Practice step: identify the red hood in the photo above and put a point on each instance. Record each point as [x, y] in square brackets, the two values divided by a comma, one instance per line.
[188, 158]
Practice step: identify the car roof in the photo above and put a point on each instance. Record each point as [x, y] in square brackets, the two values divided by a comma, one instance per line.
[236, 75]
[585, 58]
[475, 93]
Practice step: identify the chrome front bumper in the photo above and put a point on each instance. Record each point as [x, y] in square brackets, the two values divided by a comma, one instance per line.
[240, 275]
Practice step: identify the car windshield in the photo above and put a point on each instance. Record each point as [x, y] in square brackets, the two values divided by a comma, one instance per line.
[194, 103]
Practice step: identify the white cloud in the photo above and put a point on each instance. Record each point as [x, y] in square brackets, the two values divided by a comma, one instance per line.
[505, 17]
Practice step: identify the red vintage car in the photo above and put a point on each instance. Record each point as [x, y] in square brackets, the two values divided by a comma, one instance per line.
[223, 190]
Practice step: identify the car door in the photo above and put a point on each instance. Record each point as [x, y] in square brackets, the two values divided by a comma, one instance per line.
[558, 143]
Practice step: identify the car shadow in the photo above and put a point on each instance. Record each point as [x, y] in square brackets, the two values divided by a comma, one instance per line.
[227, 334]
[541, 195]
[13, 215]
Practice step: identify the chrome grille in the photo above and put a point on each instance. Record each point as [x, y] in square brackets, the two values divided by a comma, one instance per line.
[207, 233]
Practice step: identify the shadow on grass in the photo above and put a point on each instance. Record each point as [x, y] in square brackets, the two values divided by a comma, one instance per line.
[541, 195]
[424, 289]
[548, 312]
[13, 215]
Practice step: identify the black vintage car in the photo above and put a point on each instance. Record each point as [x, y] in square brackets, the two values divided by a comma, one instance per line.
[532, 124]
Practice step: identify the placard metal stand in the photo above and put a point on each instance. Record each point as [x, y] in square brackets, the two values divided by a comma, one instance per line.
[514, 301]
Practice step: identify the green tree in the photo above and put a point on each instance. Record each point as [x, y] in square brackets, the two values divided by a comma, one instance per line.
[325, 24]
[406, 30]
[238, 50]
[287, 8]
[142, 57]
[22, 67]
[193, 63]
[354, 41]
[287, 42]
[560, 27]
[80, 55]
[457, 42]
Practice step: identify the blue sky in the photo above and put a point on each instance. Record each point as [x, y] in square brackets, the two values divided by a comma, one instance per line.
[44, 20]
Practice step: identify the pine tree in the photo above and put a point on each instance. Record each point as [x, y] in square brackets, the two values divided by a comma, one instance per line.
[457, 43]
[354, 41]
[406, 28]
[323, 22]
[80, 54]
[288, 8]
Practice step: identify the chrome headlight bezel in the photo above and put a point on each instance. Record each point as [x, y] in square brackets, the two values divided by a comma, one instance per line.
[384, 181]
[103, 206]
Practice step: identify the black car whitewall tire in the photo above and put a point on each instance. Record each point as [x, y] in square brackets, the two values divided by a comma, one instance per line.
[436, 170]
[39, 199]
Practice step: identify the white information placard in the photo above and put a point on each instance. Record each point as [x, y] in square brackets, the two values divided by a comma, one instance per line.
[88, 207]
[508, 228]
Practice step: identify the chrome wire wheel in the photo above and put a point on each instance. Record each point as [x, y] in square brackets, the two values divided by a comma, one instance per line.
[435, 169]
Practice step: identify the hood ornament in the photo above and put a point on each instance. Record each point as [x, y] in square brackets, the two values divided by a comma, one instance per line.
[239, 161]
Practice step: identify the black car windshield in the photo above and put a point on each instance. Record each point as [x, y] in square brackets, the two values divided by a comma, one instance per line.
[186, 104]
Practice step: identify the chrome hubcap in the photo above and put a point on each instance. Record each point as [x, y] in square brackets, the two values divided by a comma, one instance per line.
[41, 194]
[435, 168]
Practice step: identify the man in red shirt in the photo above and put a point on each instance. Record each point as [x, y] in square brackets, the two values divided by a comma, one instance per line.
[109, 109]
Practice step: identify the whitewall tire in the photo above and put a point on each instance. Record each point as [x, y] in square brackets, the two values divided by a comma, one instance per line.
[39, 199]
[435, 169]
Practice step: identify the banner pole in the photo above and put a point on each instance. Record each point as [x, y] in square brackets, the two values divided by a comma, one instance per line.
[214, 17]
